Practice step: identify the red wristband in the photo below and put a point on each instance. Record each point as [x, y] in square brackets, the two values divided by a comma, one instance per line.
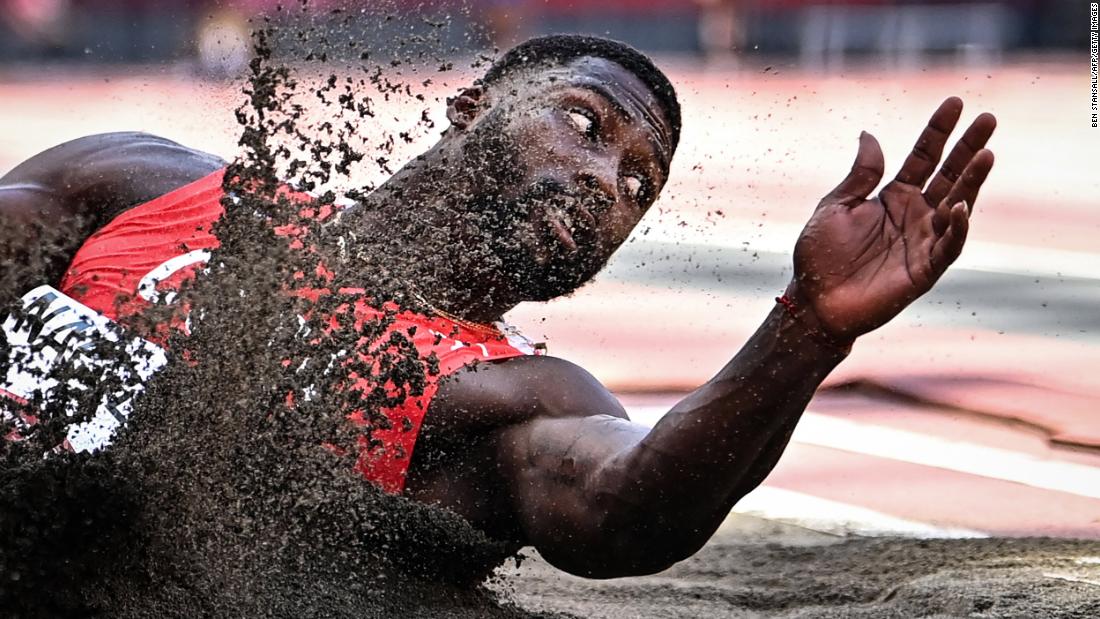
[817, 335]
[786, 302]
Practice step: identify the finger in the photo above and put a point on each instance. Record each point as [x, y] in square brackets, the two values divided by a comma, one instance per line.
[948, 247]
[865, 175]
[941, 217]
[973, 140]
[927, 151]
[966, 188]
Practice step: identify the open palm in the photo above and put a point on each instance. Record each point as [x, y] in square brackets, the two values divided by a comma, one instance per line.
[859, 261]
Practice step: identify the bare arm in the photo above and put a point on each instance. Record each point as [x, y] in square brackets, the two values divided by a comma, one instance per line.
[600, 496]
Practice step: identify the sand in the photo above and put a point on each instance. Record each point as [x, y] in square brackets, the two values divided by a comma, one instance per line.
[758, 568]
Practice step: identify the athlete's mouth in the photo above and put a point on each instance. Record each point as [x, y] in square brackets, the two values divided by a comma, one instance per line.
[569, 220]
[561, 225]
[562, 220]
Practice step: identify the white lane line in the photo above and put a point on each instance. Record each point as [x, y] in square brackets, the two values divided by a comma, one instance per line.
[827, 516]
[960, 456]
[979, 255]
[906, 446]
[1071, 578]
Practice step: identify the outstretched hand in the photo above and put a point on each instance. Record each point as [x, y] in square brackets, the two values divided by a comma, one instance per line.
[860, 261]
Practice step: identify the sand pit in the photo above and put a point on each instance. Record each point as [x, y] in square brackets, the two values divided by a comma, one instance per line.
[758, 568]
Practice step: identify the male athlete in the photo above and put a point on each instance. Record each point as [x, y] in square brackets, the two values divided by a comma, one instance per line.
[567, 140]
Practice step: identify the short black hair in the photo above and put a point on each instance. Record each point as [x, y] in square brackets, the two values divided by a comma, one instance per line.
[559, 49]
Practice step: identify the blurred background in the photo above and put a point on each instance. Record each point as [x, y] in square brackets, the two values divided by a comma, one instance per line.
[818, 34]
[976, 412]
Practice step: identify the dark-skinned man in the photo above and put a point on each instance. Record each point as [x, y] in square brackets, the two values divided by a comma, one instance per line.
[569, 141]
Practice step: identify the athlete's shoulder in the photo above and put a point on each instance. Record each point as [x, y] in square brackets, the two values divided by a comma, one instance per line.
[101, 175]
[519, 388]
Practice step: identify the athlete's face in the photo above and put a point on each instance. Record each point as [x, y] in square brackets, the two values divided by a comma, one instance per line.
[566, 160]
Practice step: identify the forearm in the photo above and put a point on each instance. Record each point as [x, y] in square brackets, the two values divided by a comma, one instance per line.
[721, 440]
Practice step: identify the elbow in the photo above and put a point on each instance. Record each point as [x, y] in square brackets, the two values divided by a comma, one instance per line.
[615, 561]
[622, 549]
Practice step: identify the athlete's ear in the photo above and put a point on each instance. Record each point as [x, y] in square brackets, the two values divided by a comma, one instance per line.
[464, 109]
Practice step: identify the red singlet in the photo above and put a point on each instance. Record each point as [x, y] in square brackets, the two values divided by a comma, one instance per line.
[142, 255]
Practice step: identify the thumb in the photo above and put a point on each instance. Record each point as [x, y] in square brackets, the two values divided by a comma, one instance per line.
[865, 175]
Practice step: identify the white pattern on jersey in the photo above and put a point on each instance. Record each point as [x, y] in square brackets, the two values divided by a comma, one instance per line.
[52, 330]
[147, 287]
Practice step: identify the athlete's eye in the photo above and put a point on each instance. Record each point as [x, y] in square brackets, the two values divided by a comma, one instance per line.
[636, 187]
[584, 121]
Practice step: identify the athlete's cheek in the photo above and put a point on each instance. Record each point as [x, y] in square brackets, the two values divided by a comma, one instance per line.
[618, 223]
[549, 128]
[544, 154]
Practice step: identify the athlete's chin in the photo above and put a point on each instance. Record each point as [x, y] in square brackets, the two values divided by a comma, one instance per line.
[536, 270]
[545, 282]
[542, 294]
